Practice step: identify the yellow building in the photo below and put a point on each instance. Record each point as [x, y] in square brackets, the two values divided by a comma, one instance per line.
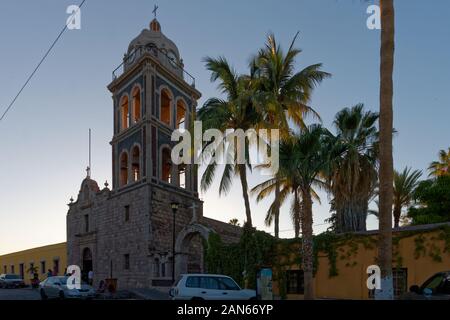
[418, 253]
[53, 257]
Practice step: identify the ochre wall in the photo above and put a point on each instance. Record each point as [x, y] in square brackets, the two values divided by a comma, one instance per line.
[36, 255]
[350, 283]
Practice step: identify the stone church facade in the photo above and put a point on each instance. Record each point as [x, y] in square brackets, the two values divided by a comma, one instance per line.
[126, 231]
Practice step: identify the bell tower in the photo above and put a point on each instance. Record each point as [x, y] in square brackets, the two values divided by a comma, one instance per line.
[152, 96]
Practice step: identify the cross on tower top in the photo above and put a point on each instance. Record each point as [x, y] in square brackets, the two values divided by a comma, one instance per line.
[155, 8]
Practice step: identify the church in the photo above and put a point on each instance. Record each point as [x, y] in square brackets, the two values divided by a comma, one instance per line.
[148, 227]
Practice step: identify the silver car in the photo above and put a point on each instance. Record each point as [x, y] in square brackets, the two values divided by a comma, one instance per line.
[56, 287]
[11, 281]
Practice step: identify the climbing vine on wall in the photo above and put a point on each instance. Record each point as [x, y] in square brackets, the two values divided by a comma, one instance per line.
[258, 249]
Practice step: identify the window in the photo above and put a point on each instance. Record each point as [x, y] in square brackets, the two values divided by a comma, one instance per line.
[227, 284]
[43, 267]
[136, 95]
[55, 267]
[166, 164]
[182, 175]
[166, 103]
[193, 282]
[399, 281]
[445, 288]
[12, 269]
[163, 269]
[123, 169]
[5, 269]
[126, 261]
[127, 213]
[294, 282]
[209, 283]
[22, 270]
[124, 113]
[31, 271]
[86, 223]
[135, 163]
[156, 268]
[181, 115]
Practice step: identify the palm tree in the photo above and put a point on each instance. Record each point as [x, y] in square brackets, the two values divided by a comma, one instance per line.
[352, 176]
[282, 96]
[305, 156]
[234, 112]
[404, 185]
[288, 184]
[386, 170]
[441, 167]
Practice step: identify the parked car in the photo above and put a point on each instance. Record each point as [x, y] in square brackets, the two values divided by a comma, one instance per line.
[56, 287]
[435, 288]
[209, 287]
[10, 280]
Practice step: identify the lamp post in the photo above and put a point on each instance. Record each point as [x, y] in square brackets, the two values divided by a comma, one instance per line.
[174, 206]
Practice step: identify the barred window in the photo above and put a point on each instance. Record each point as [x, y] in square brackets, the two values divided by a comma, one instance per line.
[295, 282]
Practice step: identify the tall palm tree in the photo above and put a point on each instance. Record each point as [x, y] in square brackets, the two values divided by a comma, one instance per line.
[386, 170]
[353, 176]
[305, 156]
[441, 167]
[282, 96]
[404, 185]
[234, 112]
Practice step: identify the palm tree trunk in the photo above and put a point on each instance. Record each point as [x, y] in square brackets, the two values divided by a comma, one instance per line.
[307, 244]
[296, 219]
[386, 159]
[276, 212]
[243, 177]
[397, 214]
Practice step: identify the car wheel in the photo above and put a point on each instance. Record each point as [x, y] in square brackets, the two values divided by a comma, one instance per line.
[61, 295]
[43, 295]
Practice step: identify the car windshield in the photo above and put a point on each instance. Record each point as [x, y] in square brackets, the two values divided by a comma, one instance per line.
[12, 276]
[433, 283]
[62, 280]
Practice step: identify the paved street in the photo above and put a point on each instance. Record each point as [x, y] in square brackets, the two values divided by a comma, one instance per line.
[19, 294]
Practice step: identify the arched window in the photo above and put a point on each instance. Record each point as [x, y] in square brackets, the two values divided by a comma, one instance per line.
[166, 165]
[124, 114]
[123, 169]
[135, 163]
[181, 115]
[136, 96]
[166, 104]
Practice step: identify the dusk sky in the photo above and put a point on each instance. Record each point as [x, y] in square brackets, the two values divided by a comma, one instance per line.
[44, 138]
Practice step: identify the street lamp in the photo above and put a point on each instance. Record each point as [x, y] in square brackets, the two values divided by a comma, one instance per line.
[174, 206]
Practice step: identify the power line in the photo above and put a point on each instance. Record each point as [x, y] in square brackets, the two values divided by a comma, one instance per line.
[39, 64]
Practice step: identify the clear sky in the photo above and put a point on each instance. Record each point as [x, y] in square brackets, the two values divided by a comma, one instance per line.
[43, 140]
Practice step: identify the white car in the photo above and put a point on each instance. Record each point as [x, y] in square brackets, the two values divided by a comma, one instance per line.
[209, 287]
[56, 287]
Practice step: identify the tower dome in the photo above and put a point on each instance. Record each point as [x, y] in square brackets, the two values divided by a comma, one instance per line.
[153, 41]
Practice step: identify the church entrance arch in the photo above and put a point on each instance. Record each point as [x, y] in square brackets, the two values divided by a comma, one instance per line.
[189, 249]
